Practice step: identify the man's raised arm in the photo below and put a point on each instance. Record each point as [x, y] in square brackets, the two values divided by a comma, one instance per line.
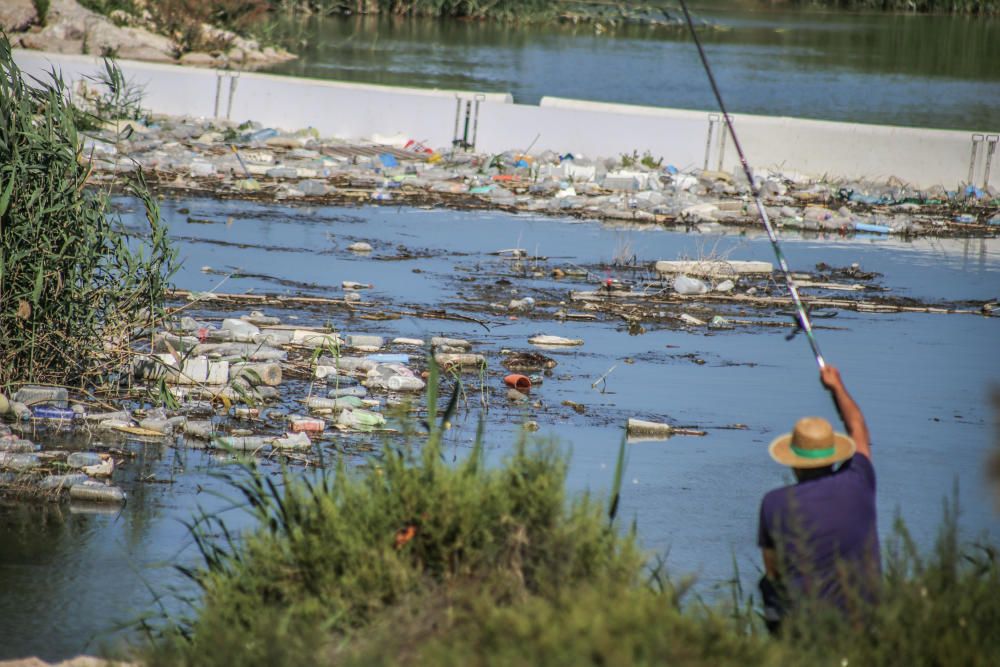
[849, 411]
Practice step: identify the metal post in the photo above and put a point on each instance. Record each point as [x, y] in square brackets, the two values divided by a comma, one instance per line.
[218, 92]
[713, 119]
[976, 140]
[465, 131]
[722, 144]
[233, 80]
[475, 121]
[991, 148]
[458, 115]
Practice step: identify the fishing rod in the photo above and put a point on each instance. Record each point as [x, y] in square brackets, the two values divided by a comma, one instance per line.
[800, 311]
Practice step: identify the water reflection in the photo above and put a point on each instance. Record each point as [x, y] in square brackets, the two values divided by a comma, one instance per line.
[940, 71]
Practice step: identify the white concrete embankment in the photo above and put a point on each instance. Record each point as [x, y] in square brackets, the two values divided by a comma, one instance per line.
[922, 157]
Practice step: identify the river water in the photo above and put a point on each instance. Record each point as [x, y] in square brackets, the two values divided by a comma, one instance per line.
[69, 578]
[924, 71]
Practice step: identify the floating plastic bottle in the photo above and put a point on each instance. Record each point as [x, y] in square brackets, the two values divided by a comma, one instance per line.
[439, 341]
[365, 341]
[53, 482]
[336, 404]
[52, 413]
[389, 358]
[405, 383]
[307, 424]
[14, 445]
[361, 419]
[457, 359]
[202, 429]
[257, 374]
[341, 392]
[19, 461]
[243, 443]
[83, 459]
[33, 394]
[96, 492]
[293, 441]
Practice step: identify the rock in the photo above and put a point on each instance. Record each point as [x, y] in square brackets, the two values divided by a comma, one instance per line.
[72, 28]
[198, 59]
[17, 15]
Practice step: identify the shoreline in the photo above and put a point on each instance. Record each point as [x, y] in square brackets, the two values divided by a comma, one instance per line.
[70, 28]
[220, 159]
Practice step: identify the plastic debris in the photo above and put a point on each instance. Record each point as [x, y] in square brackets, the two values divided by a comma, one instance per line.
[555, 341]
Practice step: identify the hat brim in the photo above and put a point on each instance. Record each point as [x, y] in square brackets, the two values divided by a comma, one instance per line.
[781, 451]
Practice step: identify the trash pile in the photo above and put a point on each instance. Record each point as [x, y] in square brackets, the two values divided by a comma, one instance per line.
[28, 470]
[225, 159]
[225, 386]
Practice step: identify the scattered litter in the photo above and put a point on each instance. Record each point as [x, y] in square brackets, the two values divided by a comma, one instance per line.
[555, 341]
[687, 286]
[693, 321]
[517, 381]
[659, 430]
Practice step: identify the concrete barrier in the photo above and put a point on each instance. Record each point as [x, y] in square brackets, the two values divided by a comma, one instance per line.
[922, 157]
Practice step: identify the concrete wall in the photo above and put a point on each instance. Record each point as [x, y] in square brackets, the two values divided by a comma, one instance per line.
[334, 108]
[923, 157]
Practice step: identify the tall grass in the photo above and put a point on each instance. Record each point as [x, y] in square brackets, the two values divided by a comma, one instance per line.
[410, 560]
[73, 285]
[333, 555]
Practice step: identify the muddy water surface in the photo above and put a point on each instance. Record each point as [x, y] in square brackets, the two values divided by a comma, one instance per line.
[67, 577]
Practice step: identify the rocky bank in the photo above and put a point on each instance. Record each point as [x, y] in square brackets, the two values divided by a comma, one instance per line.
[68, 27]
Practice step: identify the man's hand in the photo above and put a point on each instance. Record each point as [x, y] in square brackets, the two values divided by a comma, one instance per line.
[830, 377]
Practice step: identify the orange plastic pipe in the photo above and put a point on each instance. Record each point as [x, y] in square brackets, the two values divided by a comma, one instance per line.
[517, 381]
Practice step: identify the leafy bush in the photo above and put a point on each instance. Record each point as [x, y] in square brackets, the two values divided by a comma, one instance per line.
[342, 550]
[412, 561]
[73, 285]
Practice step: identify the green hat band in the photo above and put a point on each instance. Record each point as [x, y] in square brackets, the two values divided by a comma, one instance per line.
[814, 453]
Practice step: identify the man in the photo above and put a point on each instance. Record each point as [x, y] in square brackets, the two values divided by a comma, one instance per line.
[819, 536]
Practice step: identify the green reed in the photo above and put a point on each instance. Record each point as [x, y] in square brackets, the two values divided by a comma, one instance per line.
[73, 283]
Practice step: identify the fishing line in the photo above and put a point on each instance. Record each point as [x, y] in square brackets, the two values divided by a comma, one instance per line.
[800, 311]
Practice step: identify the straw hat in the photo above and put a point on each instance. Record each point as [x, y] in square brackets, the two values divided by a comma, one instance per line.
[812, 444]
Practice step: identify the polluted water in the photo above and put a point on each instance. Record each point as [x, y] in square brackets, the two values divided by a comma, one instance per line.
[274, 357]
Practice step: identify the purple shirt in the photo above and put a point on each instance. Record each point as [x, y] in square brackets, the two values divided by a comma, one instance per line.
[825, 533]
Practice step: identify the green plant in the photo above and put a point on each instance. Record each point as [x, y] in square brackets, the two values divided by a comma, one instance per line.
[42, 10]
[650, 162]
[647, 160]
[110, 96]
[410, 560]
[629, 160]
[73, 283]
[336, 552]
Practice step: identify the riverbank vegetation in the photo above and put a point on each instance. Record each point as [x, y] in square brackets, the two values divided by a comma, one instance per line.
[73, 283]
[418, 558]
[973, 7]
[194, 25]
